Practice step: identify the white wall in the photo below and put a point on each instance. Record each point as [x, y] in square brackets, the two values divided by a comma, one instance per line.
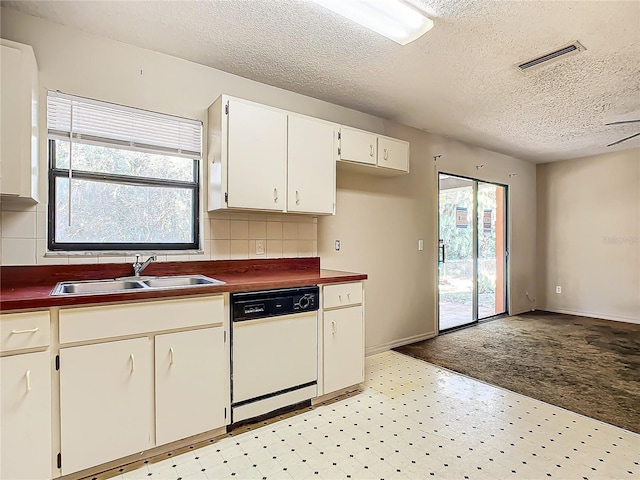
[379, 220]
[589, 235]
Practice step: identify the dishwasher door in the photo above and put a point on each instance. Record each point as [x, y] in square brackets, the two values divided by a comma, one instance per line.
[273, 354]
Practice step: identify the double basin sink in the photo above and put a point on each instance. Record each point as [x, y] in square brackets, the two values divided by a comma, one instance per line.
[132, 284]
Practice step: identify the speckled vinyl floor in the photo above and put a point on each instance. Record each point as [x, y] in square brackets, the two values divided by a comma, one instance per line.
[414, 420]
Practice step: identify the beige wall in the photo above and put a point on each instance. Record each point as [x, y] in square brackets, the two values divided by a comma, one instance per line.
[379, 220]
[589, 235]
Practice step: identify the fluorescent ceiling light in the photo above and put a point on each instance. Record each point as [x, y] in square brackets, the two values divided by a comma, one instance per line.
[394, 19]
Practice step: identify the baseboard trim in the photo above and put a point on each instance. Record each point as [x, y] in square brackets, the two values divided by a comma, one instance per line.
[397, 343]
[591, 314]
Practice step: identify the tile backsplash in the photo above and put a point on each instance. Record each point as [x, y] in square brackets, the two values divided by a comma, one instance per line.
[226, 235]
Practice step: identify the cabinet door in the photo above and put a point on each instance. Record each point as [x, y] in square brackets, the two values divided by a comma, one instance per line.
[256, 155]
[14, 108]
[106, 400]
[311, 165]
[393, 154]
[357, 146]
[192, 383]
[343, 348]
[25, 415]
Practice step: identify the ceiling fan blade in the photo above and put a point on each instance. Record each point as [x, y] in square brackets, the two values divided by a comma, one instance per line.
[623, 140]
[623, 121]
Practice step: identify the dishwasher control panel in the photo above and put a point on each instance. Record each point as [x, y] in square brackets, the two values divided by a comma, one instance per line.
[271, 303]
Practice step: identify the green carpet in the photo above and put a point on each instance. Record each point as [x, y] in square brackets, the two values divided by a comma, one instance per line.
[585, 365]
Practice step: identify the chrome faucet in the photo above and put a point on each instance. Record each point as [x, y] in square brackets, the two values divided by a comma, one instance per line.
[139, 267]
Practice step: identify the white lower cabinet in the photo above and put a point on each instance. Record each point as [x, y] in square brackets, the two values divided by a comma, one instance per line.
[191, 383]
[115, 393]
[105, 396]
[343, 348]
[343, 336]
[25, 415]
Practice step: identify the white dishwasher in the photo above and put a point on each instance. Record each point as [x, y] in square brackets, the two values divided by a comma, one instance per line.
[274, 350]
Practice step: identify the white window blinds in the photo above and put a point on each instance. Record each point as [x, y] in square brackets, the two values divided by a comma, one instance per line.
[90, 121]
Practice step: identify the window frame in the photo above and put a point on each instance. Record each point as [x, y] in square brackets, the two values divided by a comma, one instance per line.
[119, 247]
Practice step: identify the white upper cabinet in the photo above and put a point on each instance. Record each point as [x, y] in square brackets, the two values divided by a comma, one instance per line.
[379, 154]
[358, 146]
[393, 154]
[19, 120]
[257, 156]
[311, 166]
[265, 158]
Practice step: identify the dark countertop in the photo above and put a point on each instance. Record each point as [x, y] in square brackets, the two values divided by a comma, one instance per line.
[29, 287]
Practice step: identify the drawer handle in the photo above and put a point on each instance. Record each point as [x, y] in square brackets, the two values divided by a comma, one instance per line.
[340, 297]
[171, 355]
[371, 150]
[386, 154]
[334, 327]
[349, 296]
[30, 330]
[133, 362]
[28, 376]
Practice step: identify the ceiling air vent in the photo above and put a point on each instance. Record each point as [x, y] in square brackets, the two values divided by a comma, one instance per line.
[570, 49]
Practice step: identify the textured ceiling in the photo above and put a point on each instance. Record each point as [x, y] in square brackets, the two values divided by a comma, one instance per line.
[457, 80]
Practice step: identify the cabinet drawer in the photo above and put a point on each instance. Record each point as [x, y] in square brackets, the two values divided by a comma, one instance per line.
[24, 330]
[94, 323]
[342, 295]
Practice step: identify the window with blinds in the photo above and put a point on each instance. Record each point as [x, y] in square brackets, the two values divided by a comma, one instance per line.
[121, 178]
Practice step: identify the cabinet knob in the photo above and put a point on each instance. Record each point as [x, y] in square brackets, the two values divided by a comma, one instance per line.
[297, 197]
[275, 194]
[334, 327]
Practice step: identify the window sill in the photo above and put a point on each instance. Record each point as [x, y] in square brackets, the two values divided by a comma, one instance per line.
[110, 253]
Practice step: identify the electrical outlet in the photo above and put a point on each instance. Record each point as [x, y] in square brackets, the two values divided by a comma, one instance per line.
[259, 247]
[558, 289]
[337, 245]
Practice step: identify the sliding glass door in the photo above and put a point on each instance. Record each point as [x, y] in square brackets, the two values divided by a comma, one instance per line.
[472, 251]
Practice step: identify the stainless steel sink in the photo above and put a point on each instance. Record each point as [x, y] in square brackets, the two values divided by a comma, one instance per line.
[131, 284]
[181, 281]
[96, 286]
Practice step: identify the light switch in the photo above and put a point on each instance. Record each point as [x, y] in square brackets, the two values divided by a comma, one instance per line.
[259, 247]
[337, 245]
[420, 245]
